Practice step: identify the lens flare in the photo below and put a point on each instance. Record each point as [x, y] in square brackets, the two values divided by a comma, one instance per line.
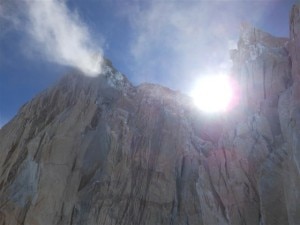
[213, 94]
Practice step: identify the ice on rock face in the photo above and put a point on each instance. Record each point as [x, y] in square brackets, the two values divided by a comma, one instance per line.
[119, 76]
[255, 51]
[115, 79]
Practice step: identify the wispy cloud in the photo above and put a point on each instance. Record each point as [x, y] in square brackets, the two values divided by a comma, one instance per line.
[9, 18]
[181, 40]
[61, 36]
[54, 32]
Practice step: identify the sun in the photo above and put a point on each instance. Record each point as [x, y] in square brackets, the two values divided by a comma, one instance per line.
[213, 94]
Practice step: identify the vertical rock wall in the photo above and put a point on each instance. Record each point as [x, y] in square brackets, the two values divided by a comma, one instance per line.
[101, 151]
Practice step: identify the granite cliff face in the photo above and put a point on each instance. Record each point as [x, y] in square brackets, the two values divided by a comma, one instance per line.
[101, 151]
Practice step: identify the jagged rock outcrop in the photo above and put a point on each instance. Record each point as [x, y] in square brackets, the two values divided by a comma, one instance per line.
[101, 151]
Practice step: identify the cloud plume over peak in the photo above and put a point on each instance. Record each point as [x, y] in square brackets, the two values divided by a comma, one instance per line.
[60, 35]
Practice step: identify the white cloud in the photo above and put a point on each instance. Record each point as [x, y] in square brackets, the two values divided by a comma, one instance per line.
[9, 19]
[60, 35]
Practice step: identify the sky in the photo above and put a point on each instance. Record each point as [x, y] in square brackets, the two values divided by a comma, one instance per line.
[171, 42]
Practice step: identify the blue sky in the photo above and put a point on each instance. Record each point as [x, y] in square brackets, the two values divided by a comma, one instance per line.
[167, 42]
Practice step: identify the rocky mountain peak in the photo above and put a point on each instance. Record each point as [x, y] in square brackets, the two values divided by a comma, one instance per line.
[250, 35]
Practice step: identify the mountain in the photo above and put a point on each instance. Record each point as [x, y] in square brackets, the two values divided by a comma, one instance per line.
[102, 151]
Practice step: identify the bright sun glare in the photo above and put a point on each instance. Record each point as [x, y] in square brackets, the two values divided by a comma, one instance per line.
[213, 94]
